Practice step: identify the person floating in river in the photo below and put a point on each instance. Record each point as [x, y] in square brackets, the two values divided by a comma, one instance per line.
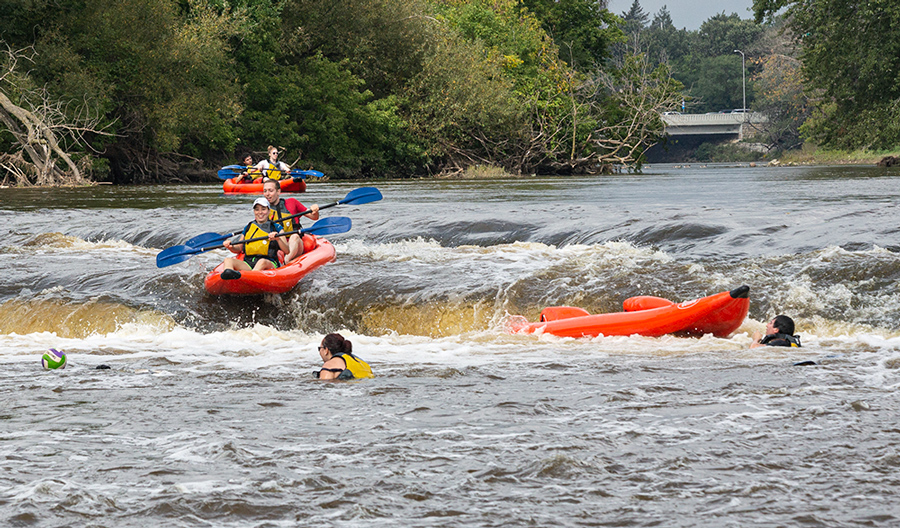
[280, 207]
[779, 332]
[258, 255]
[272, 168]
[340, 363]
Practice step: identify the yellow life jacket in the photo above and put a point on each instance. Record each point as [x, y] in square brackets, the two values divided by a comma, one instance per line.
[355, 368]
[272, 171]
[260, 248]
[278, 212]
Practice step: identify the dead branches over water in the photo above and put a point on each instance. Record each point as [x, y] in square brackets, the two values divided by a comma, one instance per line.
[43, 129]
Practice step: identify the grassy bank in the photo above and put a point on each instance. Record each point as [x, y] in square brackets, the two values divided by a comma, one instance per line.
[813, 155]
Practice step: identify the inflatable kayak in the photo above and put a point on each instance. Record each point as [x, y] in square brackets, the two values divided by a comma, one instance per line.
[290, 186]
[719, 314]
[280, 280]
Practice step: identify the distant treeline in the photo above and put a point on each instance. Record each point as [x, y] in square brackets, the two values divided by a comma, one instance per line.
[823, 71]
[137, 91]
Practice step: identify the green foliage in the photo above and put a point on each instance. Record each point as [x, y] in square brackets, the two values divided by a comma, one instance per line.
[851, 57]
[319, 109]
[162, 77]
[635, 19]
[357, 87]
[665, 43]
[382, 41]
[722, 34]
[582, 29]
[783, 99]
[720, 87]
[461, 100]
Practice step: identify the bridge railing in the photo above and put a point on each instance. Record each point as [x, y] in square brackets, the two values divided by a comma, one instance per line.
[712, 119]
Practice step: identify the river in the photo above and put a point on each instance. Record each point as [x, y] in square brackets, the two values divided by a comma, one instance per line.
[209, 416]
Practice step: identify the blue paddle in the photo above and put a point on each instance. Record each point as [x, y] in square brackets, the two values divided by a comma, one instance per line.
[326, 226]
[230, 171]
[362, 195]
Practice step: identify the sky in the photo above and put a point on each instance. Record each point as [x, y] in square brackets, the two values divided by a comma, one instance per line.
[687, 14]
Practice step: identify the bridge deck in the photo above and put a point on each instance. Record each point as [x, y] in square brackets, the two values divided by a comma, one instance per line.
[709, 124]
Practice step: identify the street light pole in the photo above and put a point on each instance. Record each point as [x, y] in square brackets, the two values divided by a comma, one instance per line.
[744, 86]
[743, 80]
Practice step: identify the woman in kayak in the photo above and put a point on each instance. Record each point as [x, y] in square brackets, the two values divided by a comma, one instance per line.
[258, 255]
[340, 363]
[779, 332]
[272, 168]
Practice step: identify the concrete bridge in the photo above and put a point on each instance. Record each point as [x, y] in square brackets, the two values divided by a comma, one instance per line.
[731, 124]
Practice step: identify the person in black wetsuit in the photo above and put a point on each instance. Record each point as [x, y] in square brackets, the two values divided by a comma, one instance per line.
[779, 332]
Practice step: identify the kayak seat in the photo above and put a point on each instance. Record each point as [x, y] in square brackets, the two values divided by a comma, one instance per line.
[645, 302]
[555, 313]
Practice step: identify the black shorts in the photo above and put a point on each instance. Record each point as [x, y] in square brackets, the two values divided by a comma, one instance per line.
[251, 260]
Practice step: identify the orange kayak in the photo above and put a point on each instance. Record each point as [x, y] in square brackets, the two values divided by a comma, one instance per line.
[290, 186]
[280, 280]
[719, 314]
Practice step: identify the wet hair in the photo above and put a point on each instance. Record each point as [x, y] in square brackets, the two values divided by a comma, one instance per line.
[783, 324]
[270, 180]
[337, 344]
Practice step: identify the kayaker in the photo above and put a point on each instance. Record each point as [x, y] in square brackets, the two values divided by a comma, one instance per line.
[272, 168]
[340, 363]
[280, 207]
[779, 332]
[249, 172]
[259, 255]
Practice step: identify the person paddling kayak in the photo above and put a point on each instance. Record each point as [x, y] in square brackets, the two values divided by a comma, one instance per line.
[259, 255]
[280, 208]
[272, 168]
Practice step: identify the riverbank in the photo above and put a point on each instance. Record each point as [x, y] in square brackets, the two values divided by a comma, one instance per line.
[812, 155]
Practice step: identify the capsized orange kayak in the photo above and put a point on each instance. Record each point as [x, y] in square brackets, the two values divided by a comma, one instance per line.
[279, 280]
[719, 314]
[288, 185]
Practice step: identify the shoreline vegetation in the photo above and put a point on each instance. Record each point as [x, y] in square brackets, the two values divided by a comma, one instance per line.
[811, 155]
[165, 91]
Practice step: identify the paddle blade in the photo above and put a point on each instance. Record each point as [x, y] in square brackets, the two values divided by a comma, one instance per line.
[360, 196]
[298, 174]
[330, 226]
[230, 171]
[175, 254]
[207, 239]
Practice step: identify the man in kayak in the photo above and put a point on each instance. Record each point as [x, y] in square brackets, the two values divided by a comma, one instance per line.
[272, 168]
[340, 363]
[280, 207]
[779, 332]
[249, 173]
[258, 255]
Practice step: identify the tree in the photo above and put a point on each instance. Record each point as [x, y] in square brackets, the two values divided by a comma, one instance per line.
[850, 53]
[638, 93]
[779, 86]
[722, 34]
[635, 19]
[584, 30]
[40, 129]
[664, 43]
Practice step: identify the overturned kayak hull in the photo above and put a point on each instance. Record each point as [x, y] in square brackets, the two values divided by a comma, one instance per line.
[280, 280]
[290, 186]
[720, 315]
